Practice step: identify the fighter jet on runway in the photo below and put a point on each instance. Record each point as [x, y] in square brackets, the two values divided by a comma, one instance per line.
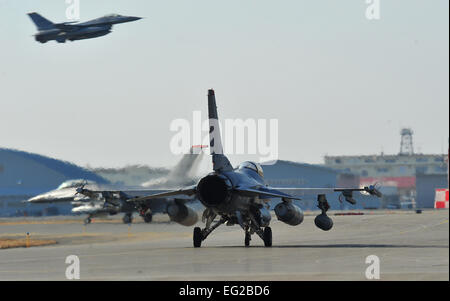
[240, 195]
[94, 200]
[72, 31]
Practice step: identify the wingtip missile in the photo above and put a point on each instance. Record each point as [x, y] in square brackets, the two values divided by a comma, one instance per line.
[372, 190]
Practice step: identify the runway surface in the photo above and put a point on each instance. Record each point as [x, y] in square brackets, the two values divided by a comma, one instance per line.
[410, 246]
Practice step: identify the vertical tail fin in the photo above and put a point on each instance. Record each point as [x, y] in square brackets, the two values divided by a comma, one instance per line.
[220, 161]
[40, 22]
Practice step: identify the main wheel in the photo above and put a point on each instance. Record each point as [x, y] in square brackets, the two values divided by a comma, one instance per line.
[247, 239]
[267, 237]
[198, 237]
[127, 219]
[148, 218]
[87, 220]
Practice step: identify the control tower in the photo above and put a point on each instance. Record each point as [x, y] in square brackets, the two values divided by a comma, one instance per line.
[406, 144]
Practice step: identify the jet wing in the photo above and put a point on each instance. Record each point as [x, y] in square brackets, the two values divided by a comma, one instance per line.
[347, 193]
[188, 191]
[296, 193]
[264, 192]
[67, 25]
[315, 191]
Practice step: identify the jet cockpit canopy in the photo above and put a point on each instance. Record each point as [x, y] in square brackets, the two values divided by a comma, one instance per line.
[73, 183]
[253, 166]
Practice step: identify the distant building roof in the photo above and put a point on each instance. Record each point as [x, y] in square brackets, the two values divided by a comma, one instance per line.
[415, 155]
[68, 169]
[302, 165]
[26, 172]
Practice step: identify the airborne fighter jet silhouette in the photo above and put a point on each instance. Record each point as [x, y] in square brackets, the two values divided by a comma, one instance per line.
[72, 31]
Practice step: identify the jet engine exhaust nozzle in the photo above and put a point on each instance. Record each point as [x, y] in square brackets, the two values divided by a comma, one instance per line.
[213, 190]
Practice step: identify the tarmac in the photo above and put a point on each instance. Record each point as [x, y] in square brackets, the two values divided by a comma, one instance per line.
[409, 246]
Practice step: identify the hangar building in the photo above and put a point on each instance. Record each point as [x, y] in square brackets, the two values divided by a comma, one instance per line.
[426, 185]
[408, 179]
[23, 175]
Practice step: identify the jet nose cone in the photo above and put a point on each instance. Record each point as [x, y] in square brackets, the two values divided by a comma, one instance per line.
[135, 18]
[35, 199]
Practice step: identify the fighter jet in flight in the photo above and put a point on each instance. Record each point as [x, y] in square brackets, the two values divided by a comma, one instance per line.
[72, 31]
[240, 195]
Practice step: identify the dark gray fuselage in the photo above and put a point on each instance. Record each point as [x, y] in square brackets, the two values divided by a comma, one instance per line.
[216, 191]
[80, 31]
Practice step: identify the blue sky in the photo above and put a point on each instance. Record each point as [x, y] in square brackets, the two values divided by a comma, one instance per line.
[338, 83]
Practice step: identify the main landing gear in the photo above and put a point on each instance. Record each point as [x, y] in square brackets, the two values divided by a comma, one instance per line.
[247, 239]
[127, 218]
[267, 236]
[148, 218]
[200, 235]
[249, 224]
[253, 223]
[146, 214]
